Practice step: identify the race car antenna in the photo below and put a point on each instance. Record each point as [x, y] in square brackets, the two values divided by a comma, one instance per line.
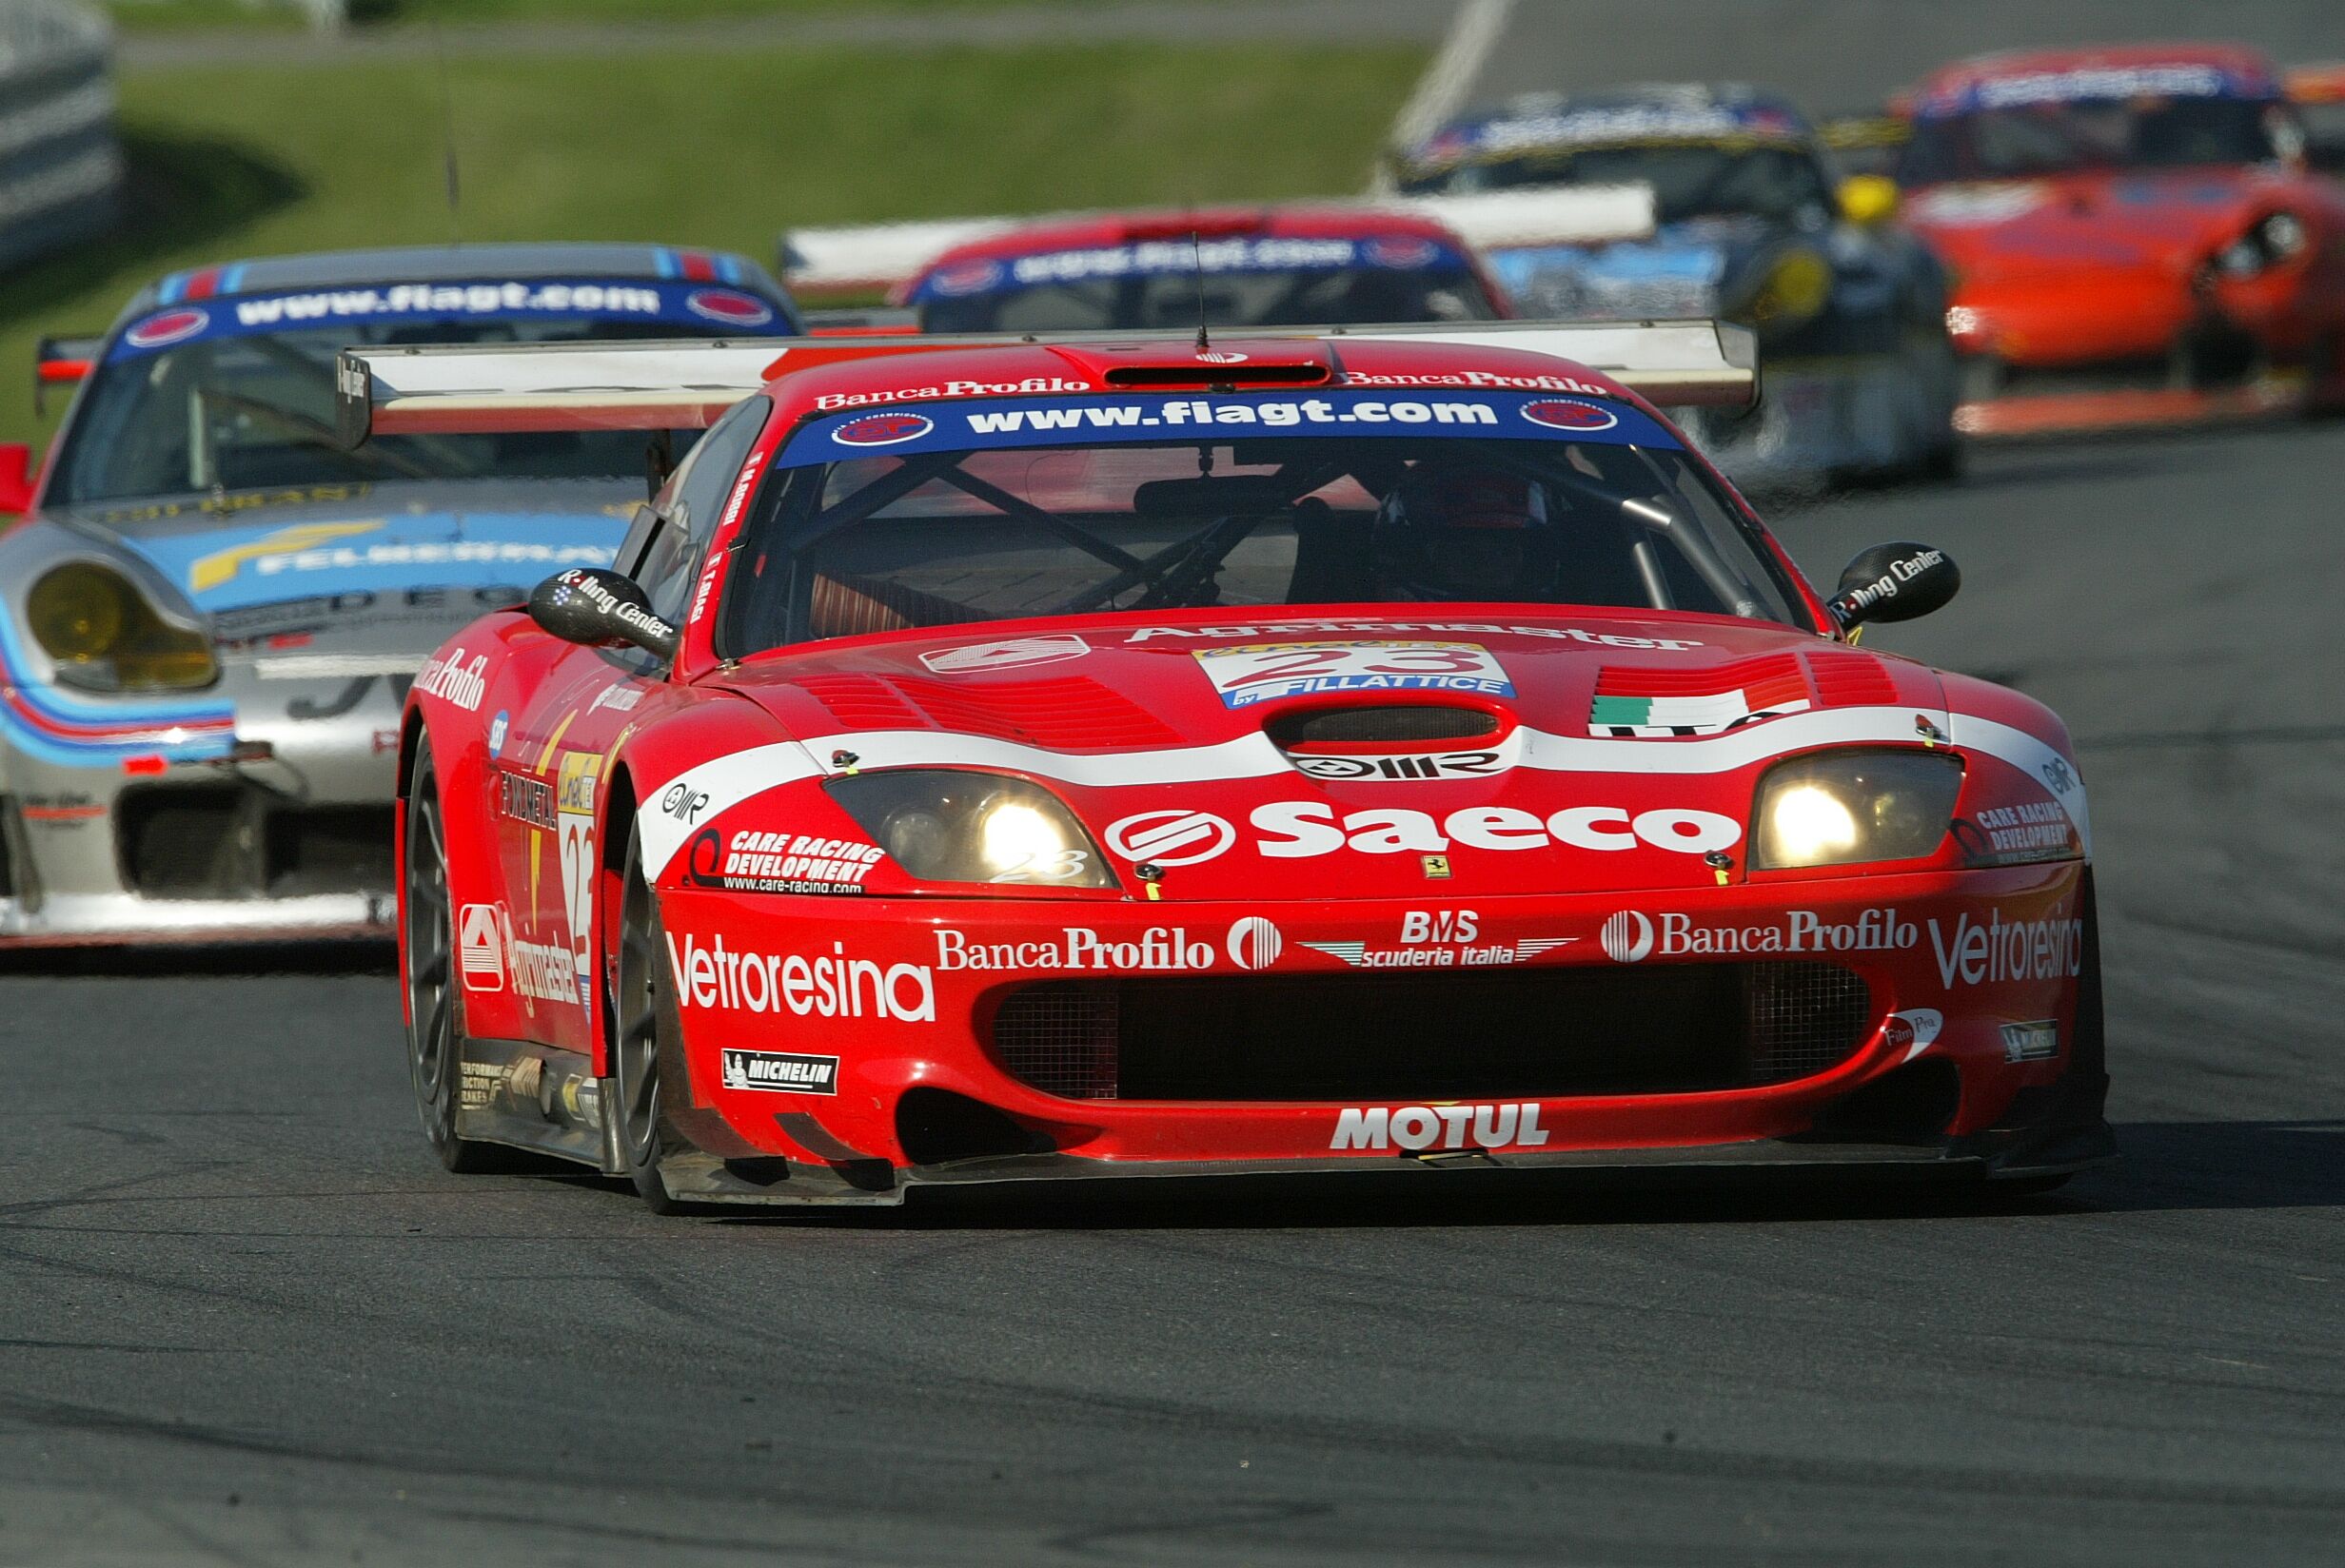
[1196, 254]
[447, 135]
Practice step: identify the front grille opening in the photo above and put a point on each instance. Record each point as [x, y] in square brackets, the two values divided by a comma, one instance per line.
[1060, 1038]
[328, 848]
[935, 1127]
[1397, 722]
[1801, 1018]
[1913, 1104]
[238, 840]
[187, 842]
[1663, 1030]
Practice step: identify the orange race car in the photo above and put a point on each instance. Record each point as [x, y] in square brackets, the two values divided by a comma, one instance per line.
[2136, 234]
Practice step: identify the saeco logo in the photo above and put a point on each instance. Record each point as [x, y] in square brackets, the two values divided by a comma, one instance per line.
[1171, 839]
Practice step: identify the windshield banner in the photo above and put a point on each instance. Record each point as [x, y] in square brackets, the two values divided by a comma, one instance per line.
[698, 308]
[1181, 256]
[981, 425]
[2093, 84]
[1612, 125]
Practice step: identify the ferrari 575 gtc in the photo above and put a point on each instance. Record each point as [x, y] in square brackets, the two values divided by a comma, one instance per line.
[1000, 760]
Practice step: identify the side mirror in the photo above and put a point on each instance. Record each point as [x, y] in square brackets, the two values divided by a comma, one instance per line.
[600, 609]
[1895, 582]
[1868, 199]
[16, 476]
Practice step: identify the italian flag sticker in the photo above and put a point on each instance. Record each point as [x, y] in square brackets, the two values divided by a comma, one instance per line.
[1650, 703]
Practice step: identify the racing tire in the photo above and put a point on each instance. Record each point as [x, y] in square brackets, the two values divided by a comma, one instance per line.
[646, 1040]
[435, 1001]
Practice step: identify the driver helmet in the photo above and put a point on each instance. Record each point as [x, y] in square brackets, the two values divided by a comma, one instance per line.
[1467, 533]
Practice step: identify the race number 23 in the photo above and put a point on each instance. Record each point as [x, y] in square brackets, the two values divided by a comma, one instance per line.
[1257, 672]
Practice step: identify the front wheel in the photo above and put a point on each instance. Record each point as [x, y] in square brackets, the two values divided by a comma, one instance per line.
[647, 1049]
[435, 1031]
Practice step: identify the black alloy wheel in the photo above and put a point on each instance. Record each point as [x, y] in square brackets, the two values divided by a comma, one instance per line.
[646, 1039]
[435, 1032]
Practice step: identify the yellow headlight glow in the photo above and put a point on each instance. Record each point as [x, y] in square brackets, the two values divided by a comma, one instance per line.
[1810, 826]
[1016, 840]
[1845, 808]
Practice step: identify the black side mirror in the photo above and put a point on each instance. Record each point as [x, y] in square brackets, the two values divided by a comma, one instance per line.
[1895, 582]
[590, 605]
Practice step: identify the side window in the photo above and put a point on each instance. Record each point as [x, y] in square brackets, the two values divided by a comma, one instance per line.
[696, 498]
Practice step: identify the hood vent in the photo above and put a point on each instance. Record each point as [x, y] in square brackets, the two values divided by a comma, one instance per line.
[1395, 722]
[1851, 681]
[1072, 713]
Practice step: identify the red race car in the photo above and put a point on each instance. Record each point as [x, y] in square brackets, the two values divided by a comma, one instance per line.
[1000, 760]
[2134, 235]
[1241, 267]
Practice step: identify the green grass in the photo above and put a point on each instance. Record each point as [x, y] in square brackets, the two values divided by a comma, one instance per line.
[696, 148]
[164, 17]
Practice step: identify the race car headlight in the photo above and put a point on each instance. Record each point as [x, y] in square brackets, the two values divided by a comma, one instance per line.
[1843, 807]
[2277, 237]
[945, 825]
[1792, 290]
[106, 637]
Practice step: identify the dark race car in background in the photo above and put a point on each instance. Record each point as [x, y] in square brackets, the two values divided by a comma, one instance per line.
[1752, 223]
[212, 611]
[2135, 235]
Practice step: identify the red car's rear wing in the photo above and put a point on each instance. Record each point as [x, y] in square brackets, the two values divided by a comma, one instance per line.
[864, 259]
[654, 385]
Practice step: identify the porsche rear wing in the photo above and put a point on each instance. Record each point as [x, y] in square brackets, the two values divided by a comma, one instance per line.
[831, 263]
[687, 385]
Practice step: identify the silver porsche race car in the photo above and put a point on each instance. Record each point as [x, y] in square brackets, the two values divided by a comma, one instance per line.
[212, 610]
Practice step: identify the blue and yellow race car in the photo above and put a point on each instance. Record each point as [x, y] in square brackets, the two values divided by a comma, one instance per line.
[1752, 222]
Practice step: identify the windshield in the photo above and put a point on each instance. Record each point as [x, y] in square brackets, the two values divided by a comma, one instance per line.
[1591, 504]
[237, 411]
[2030, 140]
[1690, 180]
[1311, 297]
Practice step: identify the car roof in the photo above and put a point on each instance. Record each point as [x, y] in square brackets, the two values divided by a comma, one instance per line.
[438, 264]
[1277, 222]
[1424, 365]
[2252, 67]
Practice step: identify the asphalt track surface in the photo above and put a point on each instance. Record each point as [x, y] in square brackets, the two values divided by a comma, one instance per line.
[243, 1317]
[1840, 56]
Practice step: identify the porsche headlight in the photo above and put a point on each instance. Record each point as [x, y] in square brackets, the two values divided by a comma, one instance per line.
[1843, 807]
[106, 637]
[1793, 288]
[2277, 237]
[950, 826]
